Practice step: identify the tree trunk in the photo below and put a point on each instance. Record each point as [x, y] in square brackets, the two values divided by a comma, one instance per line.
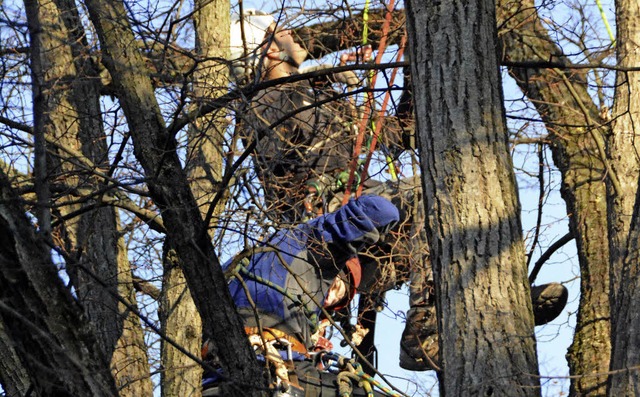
[577, 141]
[625, 230]
[204, 168]
[55, 341]
[130, 362]
[574, 125]
[485, 319]
[14, 377]
[57, 119]
[206, 134]
[156, 150]
[68, 112]
[182, 323]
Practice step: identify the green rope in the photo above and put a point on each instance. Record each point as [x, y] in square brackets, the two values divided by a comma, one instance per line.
[365, 24]
[351, 369]
[606, 23]
[365, 41]
[368, 378]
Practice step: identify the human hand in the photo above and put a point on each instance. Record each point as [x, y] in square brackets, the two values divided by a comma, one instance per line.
[363, 54]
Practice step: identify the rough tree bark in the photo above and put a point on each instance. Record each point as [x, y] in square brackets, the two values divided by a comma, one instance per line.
[576, 137]
[182, 323]
[210, 80]
[156, 150]
[14, 377]
[130, 361]
[57, 119]
[67, 111]
[625, 211]
[56, 343]
[204, 168]
[485, 319]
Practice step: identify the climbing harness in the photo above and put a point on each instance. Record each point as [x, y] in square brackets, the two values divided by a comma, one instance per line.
[269, 347]
[275, 335]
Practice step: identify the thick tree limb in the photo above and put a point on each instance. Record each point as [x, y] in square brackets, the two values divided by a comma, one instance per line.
[156, 149]
[64, 356]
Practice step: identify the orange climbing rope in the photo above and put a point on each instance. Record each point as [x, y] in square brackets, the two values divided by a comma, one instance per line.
[362, 128]
[381, 114]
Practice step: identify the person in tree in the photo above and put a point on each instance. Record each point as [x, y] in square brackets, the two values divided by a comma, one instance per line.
[301, 149]
[304, 136]
[296, 279]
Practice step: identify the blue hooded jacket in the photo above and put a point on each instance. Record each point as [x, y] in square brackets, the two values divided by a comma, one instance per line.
[290, 283]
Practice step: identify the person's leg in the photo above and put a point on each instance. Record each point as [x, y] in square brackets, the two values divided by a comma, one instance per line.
[419, 341]
[410, 254]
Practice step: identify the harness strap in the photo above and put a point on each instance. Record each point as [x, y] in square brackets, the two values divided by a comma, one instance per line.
[271, 334]
[286, 383]
[355, 269]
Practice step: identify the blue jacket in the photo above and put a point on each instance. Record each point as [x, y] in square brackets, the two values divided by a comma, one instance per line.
[289, 284]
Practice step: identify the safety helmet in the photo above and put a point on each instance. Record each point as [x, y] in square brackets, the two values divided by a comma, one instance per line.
[256, 24]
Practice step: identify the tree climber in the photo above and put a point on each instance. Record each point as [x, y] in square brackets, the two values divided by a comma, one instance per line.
[304, 142]
[292, 281]
[299, 147]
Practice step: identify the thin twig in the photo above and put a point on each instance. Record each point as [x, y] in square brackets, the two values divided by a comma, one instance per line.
[547, 254]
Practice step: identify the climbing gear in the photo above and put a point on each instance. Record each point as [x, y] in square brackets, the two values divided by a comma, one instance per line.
[320, 343]
[369, 103]
[319, 191]
[272, 334]
[342, 181]
[378, 126]
[349, 373]
[323, 190]
[358, 333]
[272, 355]
[286, 383]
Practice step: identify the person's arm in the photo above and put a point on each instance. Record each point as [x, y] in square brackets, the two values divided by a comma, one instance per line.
[356, 224]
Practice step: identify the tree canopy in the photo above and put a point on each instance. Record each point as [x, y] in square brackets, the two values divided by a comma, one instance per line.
[124, 184]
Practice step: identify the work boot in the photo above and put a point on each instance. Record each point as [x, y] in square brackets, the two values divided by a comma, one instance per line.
[548, 301]
[419, 342]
